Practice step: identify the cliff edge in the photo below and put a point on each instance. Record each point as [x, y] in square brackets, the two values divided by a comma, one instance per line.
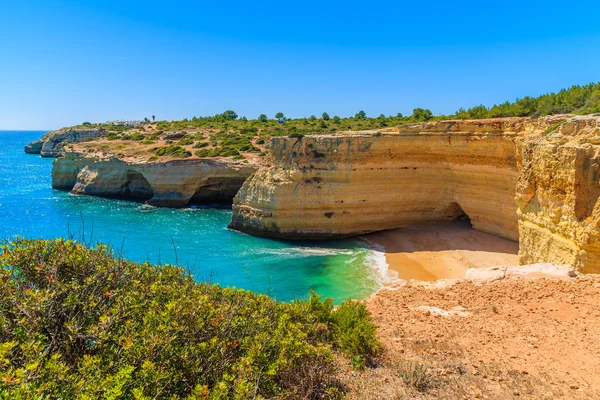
[532, 180]
[169, 183]
[52, 143]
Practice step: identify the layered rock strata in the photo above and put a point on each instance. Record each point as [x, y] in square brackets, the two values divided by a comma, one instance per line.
[342, 185]
[52, 143]
[557, 196]
[162, 183]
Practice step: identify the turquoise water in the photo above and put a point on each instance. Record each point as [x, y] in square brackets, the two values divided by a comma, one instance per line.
[284, 270]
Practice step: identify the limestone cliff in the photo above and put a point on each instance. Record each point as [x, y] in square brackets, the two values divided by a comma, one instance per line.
[557, 196]
[347, 184]
[34, 147]
[52, 143]
[163, 183]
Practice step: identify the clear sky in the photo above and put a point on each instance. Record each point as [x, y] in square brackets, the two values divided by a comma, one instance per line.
[65, 62]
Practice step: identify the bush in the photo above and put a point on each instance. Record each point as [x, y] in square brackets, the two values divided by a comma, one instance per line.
[134, 136]
[77, 322]
[172, 151]
[186, 141]
[113, 136]
[354, 333]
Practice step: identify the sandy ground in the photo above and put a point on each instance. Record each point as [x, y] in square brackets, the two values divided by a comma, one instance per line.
[434, 251]
[508, 339]
[512, 338]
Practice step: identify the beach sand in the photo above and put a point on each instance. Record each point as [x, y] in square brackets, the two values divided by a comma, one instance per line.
[441, 250]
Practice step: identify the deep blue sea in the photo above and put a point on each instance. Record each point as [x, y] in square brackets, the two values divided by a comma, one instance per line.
[284, 270]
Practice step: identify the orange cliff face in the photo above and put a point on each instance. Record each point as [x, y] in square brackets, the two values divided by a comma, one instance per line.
[557, 196]
[327, 186]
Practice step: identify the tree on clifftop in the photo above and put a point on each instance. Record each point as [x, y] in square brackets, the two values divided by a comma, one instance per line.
[263, 118]
[421, 114]
[230, 115]
[325, 116]
[280, 117]
[360, 115]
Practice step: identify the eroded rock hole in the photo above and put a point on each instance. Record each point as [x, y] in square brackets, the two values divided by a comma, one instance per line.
[456, 213]
[136, 187]
[218, 191]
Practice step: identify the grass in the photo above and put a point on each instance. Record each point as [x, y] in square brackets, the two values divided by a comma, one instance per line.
[553, 127]
[415, 375]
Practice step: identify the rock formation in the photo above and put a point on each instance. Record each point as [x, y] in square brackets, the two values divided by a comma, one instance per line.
[52, 143]
[532, 180]
[163, 183]
[327, 186]
[34, 147]
[557, 196]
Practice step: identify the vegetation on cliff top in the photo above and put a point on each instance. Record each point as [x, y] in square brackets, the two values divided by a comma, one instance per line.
[227, 135]
[576, 99]
[78, 322]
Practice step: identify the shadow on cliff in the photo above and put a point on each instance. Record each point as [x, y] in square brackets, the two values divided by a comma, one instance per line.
[441, 236]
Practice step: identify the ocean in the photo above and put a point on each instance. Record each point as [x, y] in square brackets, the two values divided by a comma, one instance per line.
[194, 238]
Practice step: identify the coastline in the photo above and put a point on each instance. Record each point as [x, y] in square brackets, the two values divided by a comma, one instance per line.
[433, 251]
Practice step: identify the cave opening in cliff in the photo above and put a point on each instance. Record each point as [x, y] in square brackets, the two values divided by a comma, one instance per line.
[456, 213]
[217, 191]
[136, 186]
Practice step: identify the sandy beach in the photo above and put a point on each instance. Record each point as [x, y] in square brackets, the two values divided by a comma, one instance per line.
[441, 250]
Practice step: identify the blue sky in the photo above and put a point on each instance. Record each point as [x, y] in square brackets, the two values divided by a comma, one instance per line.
[65, 62]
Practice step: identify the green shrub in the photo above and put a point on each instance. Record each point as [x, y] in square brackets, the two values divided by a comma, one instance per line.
[172, 151]
[134, 136]
[78, 322]
[354, 333]
[200, 145]
[249, 129]
[187, 140]
[147, 142]
[113, 136]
